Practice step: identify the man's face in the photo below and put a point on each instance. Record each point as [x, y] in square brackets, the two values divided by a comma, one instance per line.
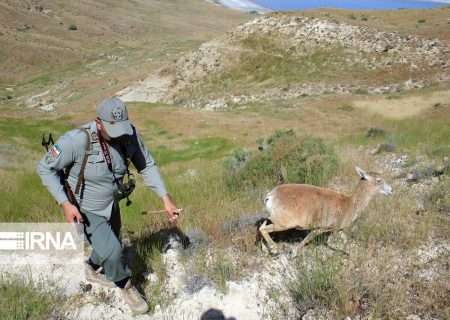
[101, 129]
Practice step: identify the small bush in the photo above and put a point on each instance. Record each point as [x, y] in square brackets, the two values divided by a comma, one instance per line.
[22, 299]
[222, 271]
[237, 159]
[439, 197]
[361, 91]
[282, 155]
[314, 284]
[421, 21]
[73, 27]
[375, 132]
[346, 107]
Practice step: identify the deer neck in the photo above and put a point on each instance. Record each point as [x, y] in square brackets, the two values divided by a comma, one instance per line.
[360, 199]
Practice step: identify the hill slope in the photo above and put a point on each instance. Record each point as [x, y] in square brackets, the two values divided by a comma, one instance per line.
[82, 51]
[36, 34]
[292, 55]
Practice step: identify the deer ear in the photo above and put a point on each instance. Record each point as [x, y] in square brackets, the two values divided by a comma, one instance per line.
[361, 173]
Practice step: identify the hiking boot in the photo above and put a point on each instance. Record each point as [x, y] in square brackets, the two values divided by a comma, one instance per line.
[96, 276]
[134, 299]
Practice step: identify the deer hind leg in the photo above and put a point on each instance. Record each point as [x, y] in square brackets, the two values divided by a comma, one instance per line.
[264, 230]
[314, 233]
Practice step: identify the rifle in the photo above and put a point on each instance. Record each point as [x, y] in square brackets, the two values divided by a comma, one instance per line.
[63, 174]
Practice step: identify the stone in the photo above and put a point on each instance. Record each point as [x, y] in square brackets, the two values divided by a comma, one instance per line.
[24, 27]
[375, 132]
[383, 147]
[412, 176]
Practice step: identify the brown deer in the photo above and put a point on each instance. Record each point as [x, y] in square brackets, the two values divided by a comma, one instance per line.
[307, 207]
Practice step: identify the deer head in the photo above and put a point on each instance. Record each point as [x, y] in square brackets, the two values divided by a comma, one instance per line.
[375, 182]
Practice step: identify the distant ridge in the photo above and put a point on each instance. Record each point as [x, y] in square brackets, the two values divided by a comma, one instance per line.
[243, 5]
[248, 5]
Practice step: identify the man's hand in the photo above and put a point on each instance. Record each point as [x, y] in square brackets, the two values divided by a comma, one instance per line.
[171, 209]
[71, 213]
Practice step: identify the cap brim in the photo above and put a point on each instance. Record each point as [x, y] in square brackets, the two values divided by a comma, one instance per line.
[117, 129]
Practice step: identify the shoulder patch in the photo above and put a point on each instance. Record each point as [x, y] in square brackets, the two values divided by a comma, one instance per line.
[94, 136]
[53, 153]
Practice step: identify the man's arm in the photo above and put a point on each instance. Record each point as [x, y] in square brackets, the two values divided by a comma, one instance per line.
[146, 166]
[61, 155]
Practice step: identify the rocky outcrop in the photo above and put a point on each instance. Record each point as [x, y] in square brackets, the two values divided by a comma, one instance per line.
[306, 33]
[299, 37]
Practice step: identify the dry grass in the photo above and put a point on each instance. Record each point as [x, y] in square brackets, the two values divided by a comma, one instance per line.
[27, 300]
[372, 283]
[116, 44]
[403, 21]
[383, 285]
[378, 280]
[102, 26]
[385, 275]
[404, 107]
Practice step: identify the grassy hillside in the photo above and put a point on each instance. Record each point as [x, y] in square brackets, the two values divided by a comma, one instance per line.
[312, 53]
[42, 36]
[84, 51]
[397, 264]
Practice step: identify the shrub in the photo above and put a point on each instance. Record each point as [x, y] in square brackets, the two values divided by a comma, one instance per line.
[346, 107]
[237, 159]
[24, 299]
[375, 132]
[438, 198]
[314, 283]
[282, 156]
[73, 27]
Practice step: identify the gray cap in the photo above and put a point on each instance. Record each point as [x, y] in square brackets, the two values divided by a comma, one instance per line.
[114, 115]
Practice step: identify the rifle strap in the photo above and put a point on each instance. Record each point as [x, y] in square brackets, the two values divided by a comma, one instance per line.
[85, 158]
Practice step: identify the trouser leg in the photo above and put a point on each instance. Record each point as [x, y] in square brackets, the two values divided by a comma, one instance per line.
[95, 259]
[103, 235]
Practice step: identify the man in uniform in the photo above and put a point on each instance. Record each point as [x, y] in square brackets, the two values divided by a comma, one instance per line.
[95, 157]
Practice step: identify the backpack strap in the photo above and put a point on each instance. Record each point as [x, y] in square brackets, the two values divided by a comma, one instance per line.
[85, 158]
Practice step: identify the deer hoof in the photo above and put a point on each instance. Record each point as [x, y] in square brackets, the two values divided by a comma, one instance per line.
[274, 252]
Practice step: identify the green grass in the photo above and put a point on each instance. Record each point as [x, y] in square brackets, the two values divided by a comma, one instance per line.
[393, 221]
[205, 148]
[204, 197]
[41, 80]
[264, 63]
[424, 134]
[28, 132]
[427, 134]
[295, 159]
[267, 66]
[25, 199]
[148, 259]
[25, 300]
[314, 282]
[220, 270]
